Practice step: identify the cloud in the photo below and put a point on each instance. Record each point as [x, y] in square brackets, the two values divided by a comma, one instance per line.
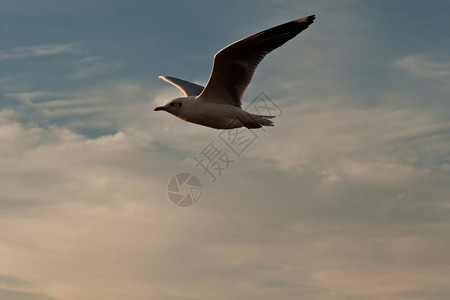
[17, 295]
[10, 289]
[345, 198]
[39, 51]
[421, 65]
[358, 194]
[91, 66]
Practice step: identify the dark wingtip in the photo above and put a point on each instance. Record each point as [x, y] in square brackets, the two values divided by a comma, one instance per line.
[305, 21]
[310, 19]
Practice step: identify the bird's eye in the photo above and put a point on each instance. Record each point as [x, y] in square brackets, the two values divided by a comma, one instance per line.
[179, 104]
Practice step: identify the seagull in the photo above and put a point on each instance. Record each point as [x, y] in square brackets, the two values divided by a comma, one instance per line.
[218, 105]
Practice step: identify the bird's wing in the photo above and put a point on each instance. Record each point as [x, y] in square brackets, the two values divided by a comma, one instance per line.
[188, 88]
[235, 64]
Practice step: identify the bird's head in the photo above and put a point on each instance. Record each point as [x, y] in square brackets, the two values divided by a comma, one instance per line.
[173, 106]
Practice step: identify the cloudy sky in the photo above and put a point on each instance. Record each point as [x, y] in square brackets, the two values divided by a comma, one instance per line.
[347, 197]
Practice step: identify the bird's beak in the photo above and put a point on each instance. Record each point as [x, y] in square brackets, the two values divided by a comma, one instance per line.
[160, 108]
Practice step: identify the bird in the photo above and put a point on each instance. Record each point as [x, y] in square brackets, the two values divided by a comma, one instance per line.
[218, 104]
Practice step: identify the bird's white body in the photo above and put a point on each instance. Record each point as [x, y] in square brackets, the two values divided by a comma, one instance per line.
[217, 115]
[218, 105]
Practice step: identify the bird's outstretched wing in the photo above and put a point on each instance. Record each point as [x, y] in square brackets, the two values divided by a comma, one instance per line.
[188, 88]
[235, 64]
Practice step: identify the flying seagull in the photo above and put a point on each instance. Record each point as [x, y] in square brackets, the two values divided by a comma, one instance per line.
[218, 105]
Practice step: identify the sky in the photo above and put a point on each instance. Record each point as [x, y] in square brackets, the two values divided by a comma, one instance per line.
[346, 197]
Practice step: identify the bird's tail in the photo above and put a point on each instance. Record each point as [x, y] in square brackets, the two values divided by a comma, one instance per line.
[257, 121]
